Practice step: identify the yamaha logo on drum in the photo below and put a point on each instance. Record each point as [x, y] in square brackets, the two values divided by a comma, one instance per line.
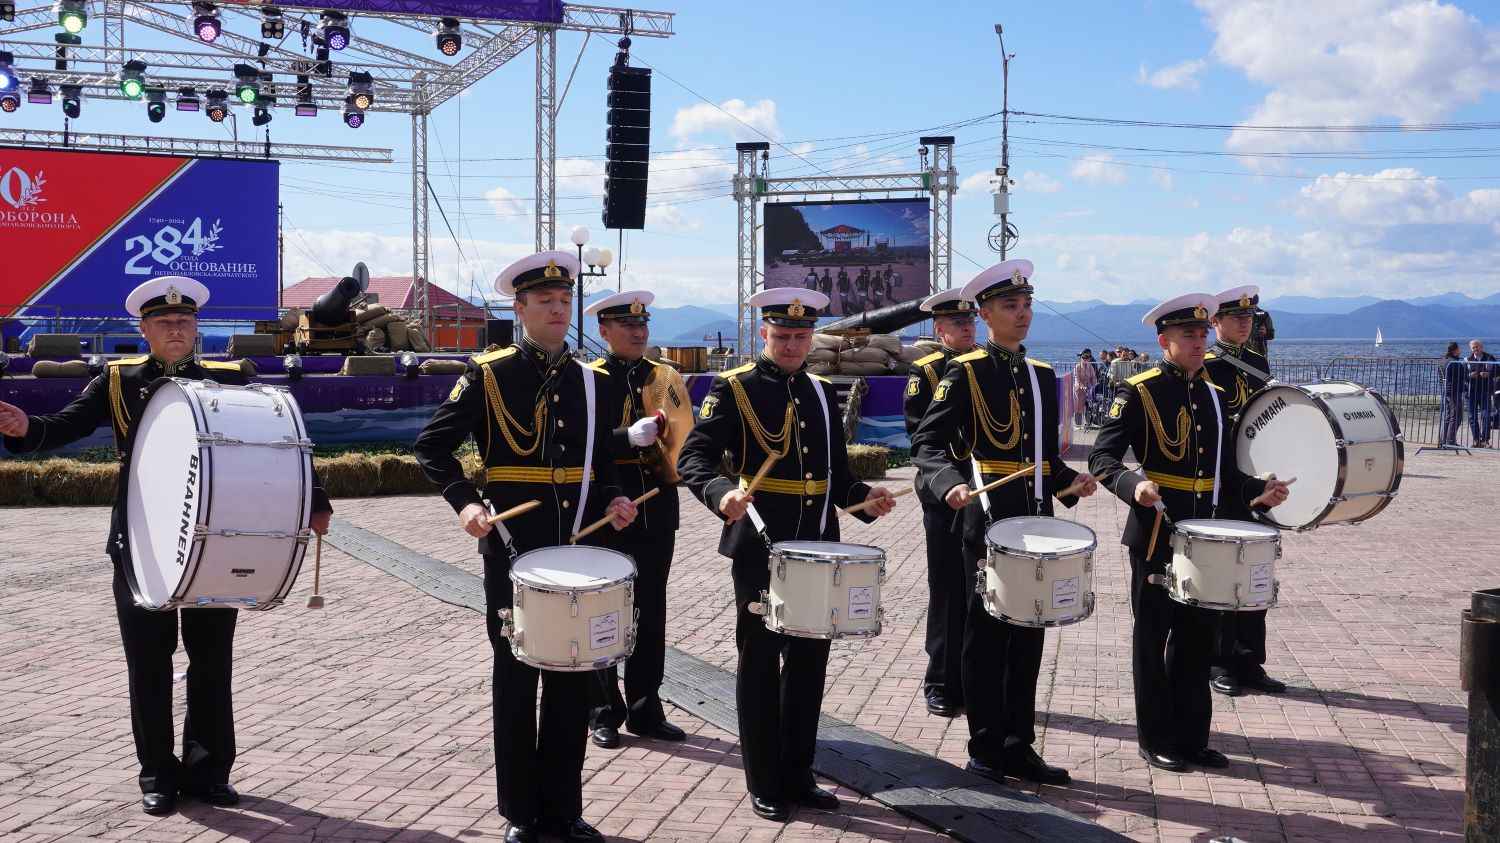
[1359, 414]
[1259, 422]
[185, 531]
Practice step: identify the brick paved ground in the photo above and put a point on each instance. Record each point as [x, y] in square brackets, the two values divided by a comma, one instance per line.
[369, 720]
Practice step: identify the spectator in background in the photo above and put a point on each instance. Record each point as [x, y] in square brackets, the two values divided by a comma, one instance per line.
[1481, 378]
[1262, 331]
[1144, 363]
[1122, 369]
[1085, 376]
[1451, 372]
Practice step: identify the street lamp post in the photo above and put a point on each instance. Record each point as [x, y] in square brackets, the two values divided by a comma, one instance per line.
[593, 257]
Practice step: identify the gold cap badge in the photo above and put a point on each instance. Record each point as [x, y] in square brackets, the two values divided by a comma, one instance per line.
[636, 306]
[796, 309]
[552, 270]
[1244, 300]
[1200, 312]
[1015, 277]
[963, 304]
[174, 295]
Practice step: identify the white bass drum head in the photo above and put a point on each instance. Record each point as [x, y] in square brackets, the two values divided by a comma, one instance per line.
[164, 494]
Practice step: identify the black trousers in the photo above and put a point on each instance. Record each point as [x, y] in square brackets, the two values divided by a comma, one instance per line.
[1171, 651]
[538, 762]
[640, 707]
[1000, 666]
[949, 586]
[778, 690]
[1240, 643]
[150, 639]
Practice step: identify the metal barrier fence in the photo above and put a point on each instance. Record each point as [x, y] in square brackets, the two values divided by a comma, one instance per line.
[1470, 408]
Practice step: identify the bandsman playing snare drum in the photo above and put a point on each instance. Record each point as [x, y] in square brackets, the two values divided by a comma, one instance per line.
[1003, 407]
[949, 577]
[529, 408]
[168, 312]
[1175, 421]
[773, 406]
[1240, 646]
[624, 325]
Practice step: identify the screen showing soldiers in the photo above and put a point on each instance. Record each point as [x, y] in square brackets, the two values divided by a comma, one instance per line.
[863, 255]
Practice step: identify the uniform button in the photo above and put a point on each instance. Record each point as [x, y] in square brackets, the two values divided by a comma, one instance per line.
[807, 502]
[565, 504]
[1200, 450]
[1195, 406]
[1199, 495]
[1200, 472]
[1026, 436]
[1013, 369]
[809, 475]
[1198, 427]
[562, 447]
[802, 424]
[1022, 390]
[804, 449]
[559, 422]
[556, 398]
[1023, 414]
[637, 389]
[796, 400]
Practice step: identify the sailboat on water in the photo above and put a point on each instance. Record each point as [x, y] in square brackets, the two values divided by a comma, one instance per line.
[1378, 340]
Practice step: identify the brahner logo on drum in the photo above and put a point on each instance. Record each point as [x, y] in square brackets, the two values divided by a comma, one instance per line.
[21, 193]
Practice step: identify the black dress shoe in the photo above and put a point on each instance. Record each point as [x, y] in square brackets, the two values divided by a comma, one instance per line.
[770, 809]
[1024, 763]
[816, 797]
[1262, 682]
[574, 829]
[662, 731]
[1163, 760]
[1226, 685]
[981, 767]
[607, 737]
[1209, 758]
[158, 804]
[938, 703]
[222, 795]
[521, 833]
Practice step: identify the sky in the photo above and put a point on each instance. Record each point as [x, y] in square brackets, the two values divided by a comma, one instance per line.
[1140, 148]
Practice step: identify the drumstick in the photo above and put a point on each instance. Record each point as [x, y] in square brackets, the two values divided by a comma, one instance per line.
[1073, 489]
[861, 507]
[522, 509]
[1155, 528]
[1262, 496]
[315, 600]
[998, 483]
[586, 531]
[765, 468]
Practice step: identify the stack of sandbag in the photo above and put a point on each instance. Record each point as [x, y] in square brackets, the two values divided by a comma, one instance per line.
[872, 354]
[385, 331]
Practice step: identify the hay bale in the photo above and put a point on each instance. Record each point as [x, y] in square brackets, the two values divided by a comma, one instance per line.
[383, 365]
[868, 462]
[54, 345]
[348, 475]
[442, 367]
[396, 336]
[244, 345]
[60, 369]
[374, 311]
[74, 483]
[19, 482]
[417, 338]
[399, 474]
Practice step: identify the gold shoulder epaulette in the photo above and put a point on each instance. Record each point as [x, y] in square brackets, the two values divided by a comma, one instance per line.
[1039, 364]
[931, 358]
[738, 370]
[598, 366]
[491, 357]
[1210, 356]
[1214, 385]
[221, 365]
[1136, 380]
[130, 361]
[821, 378]
[972, 356]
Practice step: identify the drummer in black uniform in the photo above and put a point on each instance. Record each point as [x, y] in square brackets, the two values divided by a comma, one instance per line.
[1000, 407]
[1240, 646]
[168, 310]
[530, 408]
[624, 325]
[1175, 421]
[773, 406]
[949, 578]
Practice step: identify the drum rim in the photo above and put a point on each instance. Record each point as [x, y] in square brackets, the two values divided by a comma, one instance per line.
[877, 556]
[610, 585]
[205, 496]
[800, 632]
[1090, 599]
[1260, 538]
[1040, 555]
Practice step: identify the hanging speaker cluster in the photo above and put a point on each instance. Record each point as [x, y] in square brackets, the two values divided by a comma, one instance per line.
[627, 155]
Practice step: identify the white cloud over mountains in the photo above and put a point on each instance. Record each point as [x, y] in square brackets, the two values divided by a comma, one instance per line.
[1098, 170]
[1181, 75]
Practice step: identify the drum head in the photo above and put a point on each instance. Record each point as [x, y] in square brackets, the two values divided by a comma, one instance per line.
[827, 550]
[571, 567]
[164, 493]
[1040, 534]
[1286, 431]
[1226, 529]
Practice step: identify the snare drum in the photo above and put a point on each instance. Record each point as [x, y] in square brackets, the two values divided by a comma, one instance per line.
[218, 496]
[1225, 565]
[573, 608]
[1039, 571]
[825, 590]
[1337, 438]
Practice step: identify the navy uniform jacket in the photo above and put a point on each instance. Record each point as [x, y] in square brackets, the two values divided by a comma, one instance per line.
[925, 374]
[525, 410]
[985, 400]
[1238, 386]
[1170, 424]
[624, 407]
[117, 398]
[755, 406]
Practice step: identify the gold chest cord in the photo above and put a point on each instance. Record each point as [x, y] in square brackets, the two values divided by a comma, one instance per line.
[751, 421]
[505, 420]
[1173, 449]
[117, 406]
[985, 421]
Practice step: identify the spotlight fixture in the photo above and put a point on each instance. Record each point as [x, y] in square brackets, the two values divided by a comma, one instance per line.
[353, 117]
[292, 365]
[133, 79]
[333, 29]
[72, 100]
[272, 24]
[7, 12]
[217, 105]
[262, 114]
[39, 94]
[449, 39]
[97, 364]
[361, 90]
[156, 104]
[306, 106]
[8, 79]
[408, 363]
[72, 15]
[246, 83]
[206, 23]
[187, 100]
[10, 102]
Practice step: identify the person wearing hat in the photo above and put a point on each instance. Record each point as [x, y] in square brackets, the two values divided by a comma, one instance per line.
[774, 407]
[949, 579]
[624, 325]
[1174, 420]
[1085, 378]
[1003, 407]
[1240, 646]
[534, 411]
[168, 311]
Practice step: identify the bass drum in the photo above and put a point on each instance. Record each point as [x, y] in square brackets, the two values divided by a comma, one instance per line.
[1338, 439]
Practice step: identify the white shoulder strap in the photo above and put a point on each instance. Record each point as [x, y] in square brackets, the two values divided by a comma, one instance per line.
[1213, 395]
[828, 441]
[588, 446]
[1036, 427]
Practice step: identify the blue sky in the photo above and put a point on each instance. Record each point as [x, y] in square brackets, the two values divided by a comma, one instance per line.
[1105, 211]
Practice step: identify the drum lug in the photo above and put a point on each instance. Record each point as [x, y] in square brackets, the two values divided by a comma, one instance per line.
[573, 652]
[276, 408]
[781, 569]
[1038, 604]
[882, 574]
[1278, 550]
[833, 620]
[1041, 574]
[838, 573]
[209, 601]
[213, 405]
[573, 613]
[1237, 601]
[1088, 603]
[507, 625]
[778, 611]
[1239, 554]
[763, 607]
[518, 595]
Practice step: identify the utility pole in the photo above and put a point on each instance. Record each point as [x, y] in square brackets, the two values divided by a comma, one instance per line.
[1002, 235]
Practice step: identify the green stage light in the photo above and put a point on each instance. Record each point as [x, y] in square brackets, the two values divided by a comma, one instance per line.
[133, 79]
[72, 15]
[246, 84]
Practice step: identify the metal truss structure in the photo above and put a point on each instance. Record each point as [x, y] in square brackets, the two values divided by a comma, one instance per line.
[404, 82]
[752, 184]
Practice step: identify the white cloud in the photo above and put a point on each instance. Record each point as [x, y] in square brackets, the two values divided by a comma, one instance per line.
[1350, 62]
[741, 121]
[507, 204]
[670, 216]
[579, 177]
[1163, 179]
[1394, 197]
[1179, 75]
[1098, 169]
[1034, 182]
[977, 184]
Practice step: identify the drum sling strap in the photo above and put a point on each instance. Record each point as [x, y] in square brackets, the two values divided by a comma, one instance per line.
[1247, 368]
[1213, 395]
[828, 442]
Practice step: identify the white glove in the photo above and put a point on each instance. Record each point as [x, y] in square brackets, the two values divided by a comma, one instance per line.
[643, 432]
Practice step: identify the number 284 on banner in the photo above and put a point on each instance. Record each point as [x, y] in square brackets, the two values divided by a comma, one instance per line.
[171, 243]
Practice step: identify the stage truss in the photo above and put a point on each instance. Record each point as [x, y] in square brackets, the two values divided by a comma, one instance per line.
[405, 82]
[753, 184]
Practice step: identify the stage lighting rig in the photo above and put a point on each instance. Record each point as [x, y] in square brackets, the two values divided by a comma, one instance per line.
[353, 117]
[333, 30]
[217, 105]
[133, 79]
[262, 114]
[64, 41]
[72, 15]
[8, 79]
[306, 106]
[361, 90]
[39, 94]
[7, 12]
[272, 24]
[449, 39]
[10, 102]
[156, 104]
[72, 100]
[187, 100]
[206, 23]
[246, 83]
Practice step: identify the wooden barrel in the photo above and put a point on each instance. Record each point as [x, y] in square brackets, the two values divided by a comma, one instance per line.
[689, 358]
